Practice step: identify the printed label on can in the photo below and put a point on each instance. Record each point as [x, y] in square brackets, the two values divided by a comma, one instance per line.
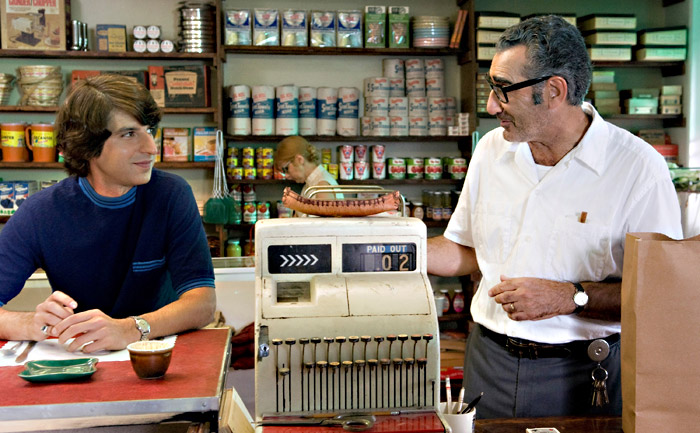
[378, 153]
[361, 171]
[250, 212]
[345, 170]
[378, 170]
[396, 168]
[249, 173]
[361, 153]
[345, 153]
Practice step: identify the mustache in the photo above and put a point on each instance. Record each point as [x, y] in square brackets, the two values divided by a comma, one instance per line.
[501, 116]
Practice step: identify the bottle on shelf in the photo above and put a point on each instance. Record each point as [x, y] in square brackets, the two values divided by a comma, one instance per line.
[458, 302]
[233, 248]
[440, 301]
[447, 305]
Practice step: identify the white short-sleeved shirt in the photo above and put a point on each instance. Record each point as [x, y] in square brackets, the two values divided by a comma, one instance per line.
[521, 226]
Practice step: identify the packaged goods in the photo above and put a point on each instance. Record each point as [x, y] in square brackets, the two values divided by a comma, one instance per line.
[664, 36]
[204, 143]
[266, 30]
[496, 20]
[237, 27]
[186, 86]
[39, 26]
[322, 28]
[608, 21]
[295, 28]
[349, 32]
[111, 37]
[399, 18]
[375, 26]
[176, 144]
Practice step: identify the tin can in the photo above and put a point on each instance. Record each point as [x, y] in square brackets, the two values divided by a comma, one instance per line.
[377, 153]
[345, 170]
[361, 170]
[265, 173]
[264, 152]
[433, 168]
[248, 162]
[326, 156]
[248, 152]
[232, 161]
[333, 170]
[263, 210]
[264, 163]
[361, 154]
[417, 210]
[457, 168]
[233, 152]
[250, 173]
[396, 168]
[379, 170]
[345, 153]
[414, 168]
[248, 191]
[236, 173]
[237, 194]
[250, 212]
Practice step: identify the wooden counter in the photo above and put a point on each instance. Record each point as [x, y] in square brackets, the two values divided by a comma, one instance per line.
[608, 424]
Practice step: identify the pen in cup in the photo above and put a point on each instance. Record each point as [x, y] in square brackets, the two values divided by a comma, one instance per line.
[460, 401]
[448, 394]
[472, 404]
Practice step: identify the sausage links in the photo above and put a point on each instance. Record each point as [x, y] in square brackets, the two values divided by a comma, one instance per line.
[310, 206]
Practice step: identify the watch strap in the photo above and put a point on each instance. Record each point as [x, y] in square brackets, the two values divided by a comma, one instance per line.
[143, 327]
[579, 288]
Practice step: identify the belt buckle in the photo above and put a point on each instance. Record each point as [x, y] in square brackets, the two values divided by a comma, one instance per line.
[527, 350]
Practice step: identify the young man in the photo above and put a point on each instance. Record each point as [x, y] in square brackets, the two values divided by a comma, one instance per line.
[122, 245]
[547, 201]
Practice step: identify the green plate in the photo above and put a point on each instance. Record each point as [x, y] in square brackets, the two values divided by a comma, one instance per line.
[59, 370]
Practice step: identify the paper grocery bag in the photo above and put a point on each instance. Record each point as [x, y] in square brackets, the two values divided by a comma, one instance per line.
[660, 349]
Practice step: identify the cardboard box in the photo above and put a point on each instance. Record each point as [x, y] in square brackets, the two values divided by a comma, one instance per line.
[111, 37]
[186, 86]
[608, 22]
[137, 76]
[672, 89]
[603, 86]
[651, 53]
[611, 37]
[653, 136]
[156, 84]
[664, 36]
[176, 144]
[399, 19]
[610, 53]
[496, 20]
[375, 26]
[158, 139]
[204, 143]
[34, 24]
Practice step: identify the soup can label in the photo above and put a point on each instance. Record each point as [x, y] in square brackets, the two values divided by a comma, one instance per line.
[396, 168]
[378, 170]
[265, 173]
[250, 212]
[249, 173]
[235, 173]
[361, 170]
[345, 170]
[263, 210]
[433, 168]
[361, 154]
[333, 170]
[378, 153]
[345, 153]
[414, 168]
[248, 152]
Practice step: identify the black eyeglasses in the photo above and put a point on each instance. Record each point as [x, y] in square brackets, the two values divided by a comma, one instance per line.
[502, 91]
[285, 167]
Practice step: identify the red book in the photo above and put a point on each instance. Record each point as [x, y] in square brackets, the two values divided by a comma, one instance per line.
[453, 39]
[460, 31]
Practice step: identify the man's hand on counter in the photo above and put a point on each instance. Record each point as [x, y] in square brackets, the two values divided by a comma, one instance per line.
[94, 330]
[57, 307]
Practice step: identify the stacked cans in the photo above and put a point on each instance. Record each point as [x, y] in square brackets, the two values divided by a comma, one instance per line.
[438, 205]
[462, 126]
[360, 162]
[376, 114]
[197, 29]
[249, 163]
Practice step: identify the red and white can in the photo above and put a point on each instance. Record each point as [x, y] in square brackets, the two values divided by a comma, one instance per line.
[361, 170]
[379, 170]
[361, 154]
[345, 153]
[345, 170]
[378, 153]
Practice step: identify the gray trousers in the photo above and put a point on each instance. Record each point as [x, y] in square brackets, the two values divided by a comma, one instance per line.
[523, 387]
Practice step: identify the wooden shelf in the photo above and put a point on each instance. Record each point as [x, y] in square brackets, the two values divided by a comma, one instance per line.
[451, 317]
[21, 54]
[353, 182]
[669, 68]
[335, 51]
[359, 138]
[185, 164]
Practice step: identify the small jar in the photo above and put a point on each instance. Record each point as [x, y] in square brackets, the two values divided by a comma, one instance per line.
[447, 306]
[233, 248]
[458, 301]
[249, 248]
[440, 301]
[418, 211]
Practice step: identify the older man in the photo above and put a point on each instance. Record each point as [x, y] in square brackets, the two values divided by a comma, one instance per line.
[547, 201]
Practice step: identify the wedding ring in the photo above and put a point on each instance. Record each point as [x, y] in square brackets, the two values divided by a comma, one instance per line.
[45, 329]
[512, 307]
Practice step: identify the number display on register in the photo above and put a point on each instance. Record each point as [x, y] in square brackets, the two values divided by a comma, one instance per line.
[400, 257]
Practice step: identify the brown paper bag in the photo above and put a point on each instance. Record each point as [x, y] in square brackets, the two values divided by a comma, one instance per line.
[660, 349]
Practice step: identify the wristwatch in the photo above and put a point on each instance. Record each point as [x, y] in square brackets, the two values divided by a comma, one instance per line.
[143, 327]
[580, 298]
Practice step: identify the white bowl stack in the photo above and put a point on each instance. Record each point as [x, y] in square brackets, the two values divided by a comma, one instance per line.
[431, 31]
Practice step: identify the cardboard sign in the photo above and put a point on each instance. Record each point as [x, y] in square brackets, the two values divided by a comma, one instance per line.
[34, 24]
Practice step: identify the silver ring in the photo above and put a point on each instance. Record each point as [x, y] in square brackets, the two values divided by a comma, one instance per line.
[512, 307]
[45, 329]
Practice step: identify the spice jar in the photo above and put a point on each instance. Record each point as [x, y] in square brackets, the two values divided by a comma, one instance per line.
[418, 211]
[233, 248]
[458, 301]
[447, 306]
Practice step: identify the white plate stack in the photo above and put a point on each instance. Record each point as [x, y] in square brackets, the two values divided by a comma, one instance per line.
[431, 31]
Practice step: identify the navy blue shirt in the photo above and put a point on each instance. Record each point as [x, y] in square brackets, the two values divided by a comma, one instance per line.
[127, 255]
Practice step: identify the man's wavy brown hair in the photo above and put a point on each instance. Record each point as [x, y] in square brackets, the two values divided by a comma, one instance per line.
[81, 121]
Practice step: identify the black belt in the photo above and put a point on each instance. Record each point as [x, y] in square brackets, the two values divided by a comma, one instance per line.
[530, 349]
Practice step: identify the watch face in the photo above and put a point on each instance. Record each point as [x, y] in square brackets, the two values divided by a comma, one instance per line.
[580, 299]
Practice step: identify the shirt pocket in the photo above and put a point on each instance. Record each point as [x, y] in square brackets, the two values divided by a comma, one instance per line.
[578, 251]
[493, 231]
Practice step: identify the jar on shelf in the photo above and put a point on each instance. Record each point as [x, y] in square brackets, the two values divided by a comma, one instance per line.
[418, 211]
[440, 301]
[249, 247]
[458, 302]
[447, 305]
[233, 248]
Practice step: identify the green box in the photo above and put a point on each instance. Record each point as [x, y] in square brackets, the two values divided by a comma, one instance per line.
[375, 26]
[399, 19]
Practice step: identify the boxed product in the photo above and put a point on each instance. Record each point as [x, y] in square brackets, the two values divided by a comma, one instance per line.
[266, 28]
[176, 144]
[37, 25]
[607, 22]
[603, 77]
[295, 28]
[653, 136]
[158, 139]
[349, 33]
[375, 26]
[488, 36]
[641, 92]
[496, 20]
[156, 84]
[610, 37]
[669, 152]
[485, 51]
[664, 36]
[399, 18]
[672, 89]
[204, 143]
[186, 86]
[14, 193]
[661, 53]
[670, 99]
[237, 25]
[322, 29]
[111, 37]
[671, 109]
[603, 86]
[610, 52]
